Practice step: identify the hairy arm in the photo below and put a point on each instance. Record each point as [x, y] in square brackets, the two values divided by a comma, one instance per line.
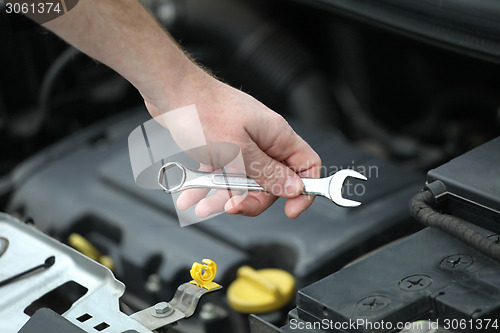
[125, 37]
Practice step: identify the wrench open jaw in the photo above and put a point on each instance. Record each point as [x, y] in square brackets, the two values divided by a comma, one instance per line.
[336, 184]
[329, 187]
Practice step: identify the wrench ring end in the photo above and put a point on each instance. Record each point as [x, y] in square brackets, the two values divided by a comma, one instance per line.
[166, 167]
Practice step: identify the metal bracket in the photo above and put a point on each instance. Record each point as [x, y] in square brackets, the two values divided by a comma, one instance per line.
[183, 304]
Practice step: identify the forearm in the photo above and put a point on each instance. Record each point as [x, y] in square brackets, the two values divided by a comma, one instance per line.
[124, 36]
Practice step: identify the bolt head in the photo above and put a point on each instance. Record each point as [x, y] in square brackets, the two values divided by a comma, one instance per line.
[153, 284]
[162, 308]
[210, 311]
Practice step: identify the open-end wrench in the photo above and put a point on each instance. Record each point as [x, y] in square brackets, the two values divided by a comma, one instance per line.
[328, 187]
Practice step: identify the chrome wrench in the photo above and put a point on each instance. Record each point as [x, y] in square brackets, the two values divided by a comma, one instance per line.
[328, 187]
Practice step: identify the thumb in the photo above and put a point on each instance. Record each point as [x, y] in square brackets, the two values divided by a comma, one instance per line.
[275, 177]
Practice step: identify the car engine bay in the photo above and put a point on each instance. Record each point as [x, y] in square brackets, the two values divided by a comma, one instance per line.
[406, 93]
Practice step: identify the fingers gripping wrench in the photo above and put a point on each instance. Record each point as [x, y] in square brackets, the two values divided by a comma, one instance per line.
[328, 187]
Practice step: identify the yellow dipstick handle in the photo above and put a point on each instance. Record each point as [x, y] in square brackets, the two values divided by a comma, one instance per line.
[203, 275]
[82, 245]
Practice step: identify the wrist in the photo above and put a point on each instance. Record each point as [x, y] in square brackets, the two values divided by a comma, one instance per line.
[180, 86]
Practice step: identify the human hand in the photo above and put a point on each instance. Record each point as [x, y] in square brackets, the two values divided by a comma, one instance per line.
[273, 154]
[131, 42]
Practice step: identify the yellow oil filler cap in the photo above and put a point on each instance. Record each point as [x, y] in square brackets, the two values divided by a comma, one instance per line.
[259, 291]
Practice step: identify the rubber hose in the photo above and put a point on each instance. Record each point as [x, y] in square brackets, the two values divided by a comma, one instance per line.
[49, 81]
[422, 209]
[270, 63]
